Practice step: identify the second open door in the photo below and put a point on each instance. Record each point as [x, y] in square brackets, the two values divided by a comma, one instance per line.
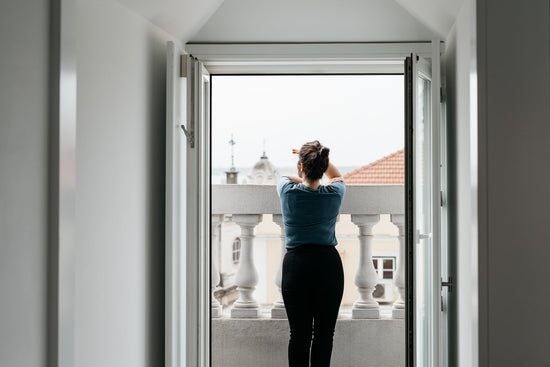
[423, 212]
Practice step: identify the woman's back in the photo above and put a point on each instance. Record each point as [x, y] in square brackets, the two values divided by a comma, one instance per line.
[312, 274]
[310, 215]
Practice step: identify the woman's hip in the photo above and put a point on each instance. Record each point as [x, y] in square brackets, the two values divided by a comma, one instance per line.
[312, 263]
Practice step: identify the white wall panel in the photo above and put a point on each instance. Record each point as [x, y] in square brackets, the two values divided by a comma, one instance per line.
[514, 120]
[460, 62]
[24, 70]
[120, 188]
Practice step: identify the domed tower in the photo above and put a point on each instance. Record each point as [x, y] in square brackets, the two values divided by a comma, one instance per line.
[263, 172]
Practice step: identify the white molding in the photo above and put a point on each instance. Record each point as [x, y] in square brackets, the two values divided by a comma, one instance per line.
[62, 186]
[306, 68]
[222, 52]
[436, 203]
[307, 58]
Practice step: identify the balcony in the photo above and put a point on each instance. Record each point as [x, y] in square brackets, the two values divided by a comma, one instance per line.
[253, 332]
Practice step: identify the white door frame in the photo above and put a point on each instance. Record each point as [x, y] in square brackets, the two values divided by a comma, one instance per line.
[304, 58]
[62, 184]
[307, 58]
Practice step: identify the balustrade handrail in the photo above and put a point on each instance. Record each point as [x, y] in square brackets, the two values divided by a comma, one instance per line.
[263, 199]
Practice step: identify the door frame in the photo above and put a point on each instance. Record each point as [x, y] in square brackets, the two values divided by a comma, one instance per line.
[277, 58]
[416, 68]
[61, 224]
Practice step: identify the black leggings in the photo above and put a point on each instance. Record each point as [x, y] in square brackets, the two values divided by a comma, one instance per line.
[312, 287]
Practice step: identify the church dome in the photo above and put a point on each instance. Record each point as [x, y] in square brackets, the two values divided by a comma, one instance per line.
[263, 172]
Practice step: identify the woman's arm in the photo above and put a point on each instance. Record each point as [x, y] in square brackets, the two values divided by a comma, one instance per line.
[295, 179]
[333, 174]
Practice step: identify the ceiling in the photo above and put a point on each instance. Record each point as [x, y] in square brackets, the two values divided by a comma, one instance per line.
[438, 15]
[180, 18]
[300, 21]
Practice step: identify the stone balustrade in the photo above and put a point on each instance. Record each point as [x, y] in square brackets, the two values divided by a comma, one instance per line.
[365, 204]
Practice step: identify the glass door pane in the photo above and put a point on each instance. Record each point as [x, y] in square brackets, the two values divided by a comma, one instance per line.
[423, 199]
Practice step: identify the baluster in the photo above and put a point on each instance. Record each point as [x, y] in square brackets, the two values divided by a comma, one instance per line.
[398, 310]
[247, 275]
[216, 309]
[278, 311]
[366, 279]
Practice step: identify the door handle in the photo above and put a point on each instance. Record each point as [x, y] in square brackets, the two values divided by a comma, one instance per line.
[449, 284]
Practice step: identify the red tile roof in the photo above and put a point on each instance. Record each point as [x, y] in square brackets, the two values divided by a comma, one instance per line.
[389, 170]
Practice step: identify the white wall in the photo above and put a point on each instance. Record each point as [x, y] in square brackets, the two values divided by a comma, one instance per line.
[460, 69]
[120, 188]
[312, 21]
[514, 147]
[24, 31]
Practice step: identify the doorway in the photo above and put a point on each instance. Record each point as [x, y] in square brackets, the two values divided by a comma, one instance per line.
[256, 120]
[202, 209]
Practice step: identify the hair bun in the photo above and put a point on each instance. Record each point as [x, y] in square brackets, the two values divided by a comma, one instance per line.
[323, 152]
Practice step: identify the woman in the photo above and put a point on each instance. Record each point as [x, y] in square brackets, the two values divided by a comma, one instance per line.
[313, 277]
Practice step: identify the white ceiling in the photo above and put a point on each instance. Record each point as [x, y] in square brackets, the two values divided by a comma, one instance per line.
[300, 20]
[438, 15]
[311, 21]
[180, 18]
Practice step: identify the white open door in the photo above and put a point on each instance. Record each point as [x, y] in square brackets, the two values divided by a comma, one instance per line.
[179, 209]
[176, 204]
[424, 212]
[187, 211]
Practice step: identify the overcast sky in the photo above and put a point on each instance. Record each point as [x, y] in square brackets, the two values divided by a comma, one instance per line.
[360, 118]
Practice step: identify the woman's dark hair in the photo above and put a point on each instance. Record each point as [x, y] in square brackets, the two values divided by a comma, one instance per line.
[314, 158]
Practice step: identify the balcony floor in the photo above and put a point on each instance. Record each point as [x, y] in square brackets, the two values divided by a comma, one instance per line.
[263, 342]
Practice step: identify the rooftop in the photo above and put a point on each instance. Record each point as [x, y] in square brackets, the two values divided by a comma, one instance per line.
[387, 170]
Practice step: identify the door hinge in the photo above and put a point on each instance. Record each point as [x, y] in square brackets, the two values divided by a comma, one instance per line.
[422, 236]
[190, 135]
[183, 66]
[441, 200]
[449, 284]
[442, 95]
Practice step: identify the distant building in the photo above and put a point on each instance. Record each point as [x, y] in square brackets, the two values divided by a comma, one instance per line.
[232, 176]
[263, 172]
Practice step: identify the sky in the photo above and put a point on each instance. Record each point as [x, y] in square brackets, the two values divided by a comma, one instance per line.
[359, 117]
